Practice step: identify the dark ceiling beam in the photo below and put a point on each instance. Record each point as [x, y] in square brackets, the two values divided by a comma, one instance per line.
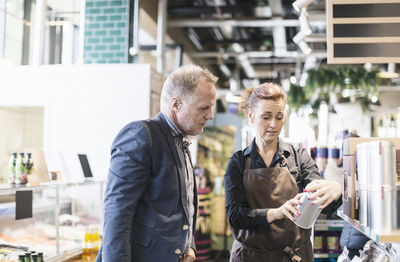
[257, 60]
[262, 54]
[199, 10]
[228, 42]
[177, 34]
[239, 22]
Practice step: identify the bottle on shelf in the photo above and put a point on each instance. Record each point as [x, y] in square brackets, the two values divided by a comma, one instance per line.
[21, 258]
[87, 245]
[40, 257]
[391, 131]
[381, 128]
[29, 164]
[20, 171]
[28, 257]
[11, 168]
[95, 242]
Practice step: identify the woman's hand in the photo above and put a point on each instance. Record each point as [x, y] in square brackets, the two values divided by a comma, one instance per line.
[324, 192]
[288, 209]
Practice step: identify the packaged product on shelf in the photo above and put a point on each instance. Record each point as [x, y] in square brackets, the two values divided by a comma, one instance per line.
[321, 156]
[11, 168]
[319, 242]
[378, 252]
[20, 171]
[381, 181]
[332, 242]
[350, 206]
[332, 171]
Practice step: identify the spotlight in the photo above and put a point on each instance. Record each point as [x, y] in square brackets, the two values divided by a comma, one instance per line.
[299, 37]
[225, 70]
[299, 4]
[304, 47]
[304, 22]
[293, 80]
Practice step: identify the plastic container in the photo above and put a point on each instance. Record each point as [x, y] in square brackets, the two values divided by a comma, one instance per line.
[308, 212]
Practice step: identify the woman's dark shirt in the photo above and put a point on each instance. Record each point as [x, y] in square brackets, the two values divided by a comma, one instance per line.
[300, 164]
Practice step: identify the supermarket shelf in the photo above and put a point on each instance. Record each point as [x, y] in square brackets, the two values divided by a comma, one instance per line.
[328, 225]
[326, 255]
[393, 237]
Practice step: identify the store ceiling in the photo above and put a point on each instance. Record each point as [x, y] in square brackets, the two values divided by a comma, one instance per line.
[248, 41]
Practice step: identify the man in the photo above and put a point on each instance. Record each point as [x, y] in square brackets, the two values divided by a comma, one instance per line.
[151, 200]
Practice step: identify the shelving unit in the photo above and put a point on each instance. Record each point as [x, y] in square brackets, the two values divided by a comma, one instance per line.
[325, 224]
[393, 237]
[328, 225]
[326, 255]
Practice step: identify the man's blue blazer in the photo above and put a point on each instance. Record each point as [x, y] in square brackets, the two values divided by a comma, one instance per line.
[145, 216]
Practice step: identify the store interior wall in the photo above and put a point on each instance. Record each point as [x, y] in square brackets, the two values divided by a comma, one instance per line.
[84, 107]
[351, 117]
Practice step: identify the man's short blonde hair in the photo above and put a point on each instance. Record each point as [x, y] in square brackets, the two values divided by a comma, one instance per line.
[183, 81]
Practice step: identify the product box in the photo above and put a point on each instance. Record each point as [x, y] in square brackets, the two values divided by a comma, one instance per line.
[349, 144]
[350, 206]
[398, 166]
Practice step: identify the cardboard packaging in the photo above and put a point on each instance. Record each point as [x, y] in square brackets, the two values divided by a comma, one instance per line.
[349, 144]
[350, 203]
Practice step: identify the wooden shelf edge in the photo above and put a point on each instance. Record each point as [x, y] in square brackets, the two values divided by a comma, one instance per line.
[391, 238]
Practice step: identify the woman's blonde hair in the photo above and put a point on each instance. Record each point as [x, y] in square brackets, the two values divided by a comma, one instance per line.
[265, 91]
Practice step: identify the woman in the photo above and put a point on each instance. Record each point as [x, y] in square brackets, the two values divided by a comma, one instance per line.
[263, 185]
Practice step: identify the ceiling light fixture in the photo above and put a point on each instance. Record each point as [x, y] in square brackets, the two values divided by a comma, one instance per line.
[390, 73]
[225, 70]
[299, 4]
[304, 47]
[299, 37]
[238, 48]
[194, 37]
[304, 22]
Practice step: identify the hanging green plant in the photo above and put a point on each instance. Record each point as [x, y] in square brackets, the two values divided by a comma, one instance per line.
[344, 84]
[296, 97]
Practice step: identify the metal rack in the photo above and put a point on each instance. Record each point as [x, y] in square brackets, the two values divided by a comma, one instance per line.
[393, 237]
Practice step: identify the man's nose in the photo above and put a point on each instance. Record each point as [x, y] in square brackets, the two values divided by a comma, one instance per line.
[272, 123]
[210, 115]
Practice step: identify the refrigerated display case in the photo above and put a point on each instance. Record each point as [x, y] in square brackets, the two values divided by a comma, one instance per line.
[62, 216]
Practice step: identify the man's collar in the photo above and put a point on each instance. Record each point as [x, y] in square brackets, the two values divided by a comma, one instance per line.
[174, 129]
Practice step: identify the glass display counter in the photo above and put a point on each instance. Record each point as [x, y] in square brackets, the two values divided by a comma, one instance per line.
[65, 218]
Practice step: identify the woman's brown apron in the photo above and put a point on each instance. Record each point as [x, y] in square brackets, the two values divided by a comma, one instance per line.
[282, 241]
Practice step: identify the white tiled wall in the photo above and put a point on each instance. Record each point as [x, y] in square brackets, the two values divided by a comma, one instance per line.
[84, 106]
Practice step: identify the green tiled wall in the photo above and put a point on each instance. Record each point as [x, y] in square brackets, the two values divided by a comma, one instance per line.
[106, 31]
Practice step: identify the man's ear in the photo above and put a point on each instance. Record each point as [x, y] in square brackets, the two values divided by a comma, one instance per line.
[176, 104]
